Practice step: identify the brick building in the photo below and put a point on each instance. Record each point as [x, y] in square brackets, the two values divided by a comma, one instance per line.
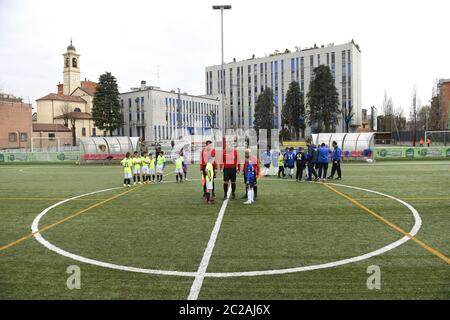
[440, 105]
[15, 122]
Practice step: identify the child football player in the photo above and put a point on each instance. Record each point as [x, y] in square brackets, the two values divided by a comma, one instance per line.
[185, 167]
[152, 167]
[160, 163]
[179, 164]
[290, 161]
[281, 165]
[250, 177]
[136, 168]
[145, 168]
[127, 163]
[209, 177]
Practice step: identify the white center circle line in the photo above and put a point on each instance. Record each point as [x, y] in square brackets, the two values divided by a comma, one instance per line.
[415, 229]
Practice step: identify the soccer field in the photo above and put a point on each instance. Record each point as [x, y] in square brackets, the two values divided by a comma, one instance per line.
[160, 241]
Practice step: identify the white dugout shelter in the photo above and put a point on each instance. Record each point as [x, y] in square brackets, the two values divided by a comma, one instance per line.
[353, 145]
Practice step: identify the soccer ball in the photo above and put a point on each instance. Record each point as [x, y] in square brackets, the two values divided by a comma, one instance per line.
[369, 160]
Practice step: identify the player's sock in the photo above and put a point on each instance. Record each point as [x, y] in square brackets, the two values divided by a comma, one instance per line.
[177, 177]
[134, 178]
[207, 196]
[255, 192]
[233, 188]
[124, 181]
[181, 177]
[225, 189]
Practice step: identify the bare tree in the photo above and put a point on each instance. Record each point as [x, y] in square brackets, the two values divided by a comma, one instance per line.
[388, 105]
[422, 117]
[413, 113]
[398, 120]
[66, 115]
[65, 110]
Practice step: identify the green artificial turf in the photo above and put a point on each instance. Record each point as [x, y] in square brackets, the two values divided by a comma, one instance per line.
[167, 227]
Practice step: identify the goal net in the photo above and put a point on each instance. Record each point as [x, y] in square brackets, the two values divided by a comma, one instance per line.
[45, 144]
[437, 138]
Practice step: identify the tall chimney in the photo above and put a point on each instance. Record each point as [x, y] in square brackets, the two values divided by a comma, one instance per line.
[143, 83]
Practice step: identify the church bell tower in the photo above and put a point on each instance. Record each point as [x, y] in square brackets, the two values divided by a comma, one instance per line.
[71, 70]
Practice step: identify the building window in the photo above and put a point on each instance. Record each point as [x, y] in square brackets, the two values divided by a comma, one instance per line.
[83, 132]
[12, 137]
[51, 136]
[74, 63]
[94, 132]
[333, 64]
[23, 137]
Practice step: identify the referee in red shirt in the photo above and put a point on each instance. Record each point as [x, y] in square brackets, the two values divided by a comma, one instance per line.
[207, 151]
[231, 167]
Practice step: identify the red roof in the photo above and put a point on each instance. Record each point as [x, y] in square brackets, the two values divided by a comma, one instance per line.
[62, 97]
[76, 115]
[49, 127]
[89, 86]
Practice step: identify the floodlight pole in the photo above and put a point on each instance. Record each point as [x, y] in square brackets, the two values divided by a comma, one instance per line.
[222, 73]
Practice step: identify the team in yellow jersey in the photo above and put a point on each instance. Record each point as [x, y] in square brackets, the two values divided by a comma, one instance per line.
[143, 166]
[127, 164]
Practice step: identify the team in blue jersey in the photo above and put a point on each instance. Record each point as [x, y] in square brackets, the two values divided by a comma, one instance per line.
[314, 161]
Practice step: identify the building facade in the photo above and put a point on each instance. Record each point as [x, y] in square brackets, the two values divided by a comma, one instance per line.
[72, 104]
[154, 114]
[51, 136]
[244, 80]
[444, 102]
[15, 122]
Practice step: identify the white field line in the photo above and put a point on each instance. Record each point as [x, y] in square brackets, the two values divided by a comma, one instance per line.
[198, 281]
[391, 246]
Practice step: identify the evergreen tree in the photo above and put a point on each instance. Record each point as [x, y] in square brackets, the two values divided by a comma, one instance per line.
[106, 111]
[294, 111]
[264, 112]
[322, 100]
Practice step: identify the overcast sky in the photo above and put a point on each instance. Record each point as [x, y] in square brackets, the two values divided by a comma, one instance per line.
[403, 43]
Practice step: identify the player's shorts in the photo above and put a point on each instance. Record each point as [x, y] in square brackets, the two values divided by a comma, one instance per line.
[160, 168]
[152, 171]
[136, 170]
[229, 174]
[209, 185]
[251, 182]
[178, 170]
[127, 175]
[145, 170]
[267, 165]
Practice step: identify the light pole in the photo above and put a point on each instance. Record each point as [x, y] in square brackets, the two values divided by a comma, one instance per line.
[222, 76]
